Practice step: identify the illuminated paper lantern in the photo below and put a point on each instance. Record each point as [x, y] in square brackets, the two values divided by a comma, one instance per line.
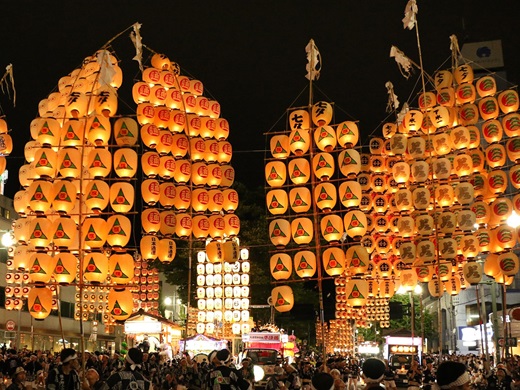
[445, 97]
[281, 266]
[401, 172]
[182, 199]
[183, 171]
[412, 120]
[64, 194]
[64, 232]
[357, 260]
[165, 142]
[333, 261]
[39, 232]
[105, 102]
[168, 222]
[508, 263]
[99, 162]
[40, 195]
[166, 250]
[167, 193]
[280, 146]
[447, 222]
[125, 162]
[484, 240]
[120, 303]
[180, 145]
[355, 223]
[350, 193]
[230, 200]
[323, 165]
[299, 141]
[122, 197]
[496, 182]
[356, 291]
[45, 130]
[199, 173]
[466, 220]
[183, 225]
[141, 92]
[299, 170]
[216, 200]
[150, 191]
[280, 232]
[347, 134]
[492, 131]
[305, 264]
[465, 93]
[65, 268]
[94, 231]
[200, 200]
[282, 298]
[453, 285]
[148, 248]
[503, 238]
[121, 268]
[98, 130]
[39, 302]
[277, 202]
[488, 108]
[325, 196]
[435, 288]
[468, 114]
[443, 78]
[426, 251]
[225, 152]
[404, 200]
[119, 230]
[472, 272]
[508, 101]
[321, 113]
[96, 267]
[41, 266]
[300, 199]
[232, 225]
[349, 162]
[275, 173]
[69, 162]
[212, 150]
[462, 165]
[511, 124]
[150, 135]
[513, 149]
[217, 226]
[421, 198]
[214, 175]
[72, 133]
[325, 138]
[332, 228]
[45, 163]
[228, 176]
[444, 195]
[97, 195]
[302, 231]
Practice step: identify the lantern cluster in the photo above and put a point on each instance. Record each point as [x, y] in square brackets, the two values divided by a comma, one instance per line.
[186, 162]
[146, 288]
[223, 289]
[6, 145]
[75, 185]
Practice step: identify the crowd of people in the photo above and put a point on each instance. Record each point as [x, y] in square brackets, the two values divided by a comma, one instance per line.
[135, 370]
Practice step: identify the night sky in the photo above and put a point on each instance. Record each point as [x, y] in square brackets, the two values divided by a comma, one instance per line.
[250, 55]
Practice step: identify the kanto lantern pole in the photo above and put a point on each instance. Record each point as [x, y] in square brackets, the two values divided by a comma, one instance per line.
[315, 219]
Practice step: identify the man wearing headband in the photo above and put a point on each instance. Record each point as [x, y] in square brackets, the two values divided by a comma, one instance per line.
[373, 373]
[65, 376]
[129, 377]
[453, 376]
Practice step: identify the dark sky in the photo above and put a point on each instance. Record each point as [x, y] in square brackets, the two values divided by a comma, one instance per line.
[250, 55]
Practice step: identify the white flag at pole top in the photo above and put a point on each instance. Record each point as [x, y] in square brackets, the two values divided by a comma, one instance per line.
[314, 65]
[393, 101]
[135, 36]
[410, 15]
[403, 62]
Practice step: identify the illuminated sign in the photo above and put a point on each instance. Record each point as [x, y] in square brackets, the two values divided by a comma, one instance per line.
[403, 349]
[136, 327]
[260, 337]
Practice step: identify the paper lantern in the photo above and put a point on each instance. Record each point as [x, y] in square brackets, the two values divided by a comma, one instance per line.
[121, 197]
[214, 175]
[356, 291]
[350, 194]
[426, 251]
[182, 170]
[96, 195]
[356, 260]
[125, 162]
[217, 226]
[182, 199]
[496, 182]
[321, 113]
[508, 263]
[216, 200]
[96, 267]
[168, 222]
[64, 232]
[280, 232]
[275, 173]
[325, 196]
[445, 97]
[65, 268]
[465, 93]
[468, 114]
[412, 120]
[121, 268]
[443, 78]
[232, 225]
[45, 163]
[299, 170]
[183, 225]
[120, 303]
[119, 230]
[94, 231]
[302, 231]
[39, 302]
[299, 141]
[39, 232]
[466, 220]
[69, 163]
[141, 92]
[401, 172]
[447, 222]
[513, 149]
[347, 134]
[503, 238]
[421, 198]
[150, 191]
[200, 200]
[453, 285]
[300, 199]
[280, 146]
[282, 298]
[41, 266]
[333, 261]
[305, 264]
[230, 200]
[331, 228]
[277, 202]
[212, 151]
[64, 194]
[148, 247]
[508, 101]
[40, 195]
[99, 162]
[349, 162]
[511, 124]
[488, 108]
[225, 152]
[323, 165]
[281, 266]
[325, 138]
[404, 200]
[98, 130]
[166, 250]
[355, 223]
[448, 248]
[45, 130]
[444, 195]
[486, 86]
[199, 173]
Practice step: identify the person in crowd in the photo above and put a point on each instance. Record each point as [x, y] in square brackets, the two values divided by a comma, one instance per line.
[307, 372]
[169, 383]
[292, 377]
[275, 381]
[353, 374]
[322, 381]
[373, 373]
[223, 377]
[65, 375]
[415, 376]
[130, 376]
[339, 384]
[389, 379]
[92, 381]
[428, 375]
[452, 375]
[247, 371]
[17, 379]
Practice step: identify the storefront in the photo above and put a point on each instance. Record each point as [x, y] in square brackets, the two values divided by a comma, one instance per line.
[159, 332]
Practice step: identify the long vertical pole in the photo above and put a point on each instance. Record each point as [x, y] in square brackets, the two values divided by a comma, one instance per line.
[485, 317]
[314, 207]
[495, 320]
[504, 321]
[480, 322]
[412, 320]
[421, 309]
